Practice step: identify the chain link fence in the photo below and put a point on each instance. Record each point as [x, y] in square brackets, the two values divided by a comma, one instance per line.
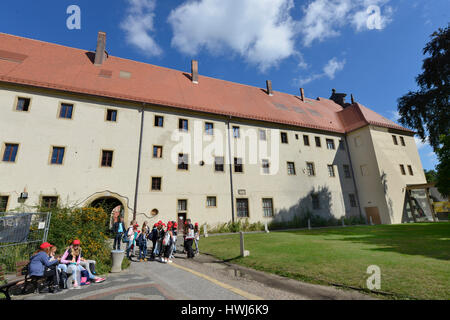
[20, 235]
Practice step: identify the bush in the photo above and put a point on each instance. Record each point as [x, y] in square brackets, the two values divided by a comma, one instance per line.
[301, 221]
[240, 225]
[87, 225]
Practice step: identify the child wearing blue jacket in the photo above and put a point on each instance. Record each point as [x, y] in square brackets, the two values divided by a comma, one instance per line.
[41, 266]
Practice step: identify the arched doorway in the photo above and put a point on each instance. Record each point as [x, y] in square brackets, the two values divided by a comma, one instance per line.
[108, 204]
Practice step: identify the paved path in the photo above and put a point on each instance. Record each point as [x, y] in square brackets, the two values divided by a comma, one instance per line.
[203, 278]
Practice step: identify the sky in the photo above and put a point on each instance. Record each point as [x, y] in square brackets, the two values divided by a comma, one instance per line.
[369, 48]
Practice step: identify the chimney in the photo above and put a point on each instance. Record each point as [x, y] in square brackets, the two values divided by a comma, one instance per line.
[194, 70]
[302, 94]
[339, 98]
[269, 87]
[100, 51]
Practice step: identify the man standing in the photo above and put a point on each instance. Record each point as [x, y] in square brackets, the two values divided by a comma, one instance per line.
[119, 229]
[154, 238]
[189, 238]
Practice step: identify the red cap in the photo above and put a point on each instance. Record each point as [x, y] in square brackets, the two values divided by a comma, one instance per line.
[76, 242]
[196, 223]
[45, 245]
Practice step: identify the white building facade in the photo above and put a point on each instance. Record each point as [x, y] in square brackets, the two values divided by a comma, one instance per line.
[71, 146]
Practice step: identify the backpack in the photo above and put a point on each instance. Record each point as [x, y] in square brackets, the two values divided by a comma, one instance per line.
[125, 236]
[166, 239]
[84, 277]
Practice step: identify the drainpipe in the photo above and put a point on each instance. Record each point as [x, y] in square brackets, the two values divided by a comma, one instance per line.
[353, 177]
[138, 163]
[231, 170]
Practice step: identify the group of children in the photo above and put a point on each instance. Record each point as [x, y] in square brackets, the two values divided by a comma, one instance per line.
[162, 236]
[44, 264]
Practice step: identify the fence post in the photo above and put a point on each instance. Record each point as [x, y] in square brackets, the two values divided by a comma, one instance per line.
[244, 253]
[205, 231]
[343, 223]
[309, 224]
[266, 228]
[371, 222]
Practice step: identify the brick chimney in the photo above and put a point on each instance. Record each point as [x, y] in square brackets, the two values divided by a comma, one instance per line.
[269, 87]
[194, 71]
[302, 94]
[101, 47]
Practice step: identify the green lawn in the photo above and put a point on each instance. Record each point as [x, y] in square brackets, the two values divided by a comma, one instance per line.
[414, 258]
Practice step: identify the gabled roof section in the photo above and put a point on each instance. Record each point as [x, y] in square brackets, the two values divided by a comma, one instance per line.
[357, 116]
[47, 65]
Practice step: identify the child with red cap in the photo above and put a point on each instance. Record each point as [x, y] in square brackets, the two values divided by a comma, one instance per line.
[41, 266]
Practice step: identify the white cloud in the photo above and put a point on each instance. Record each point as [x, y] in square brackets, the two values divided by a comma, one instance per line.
[324, 18]
[329, 70]
[332, 67]
[421, 144]
[261, 31]
[139, 26]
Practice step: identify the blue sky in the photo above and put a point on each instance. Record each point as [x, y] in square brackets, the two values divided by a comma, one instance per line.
[371, 48]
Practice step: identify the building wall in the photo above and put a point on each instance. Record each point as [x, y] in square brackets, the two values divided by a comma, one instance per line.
[384, 185]
[389, 157]
[366, 172]
[81, 179]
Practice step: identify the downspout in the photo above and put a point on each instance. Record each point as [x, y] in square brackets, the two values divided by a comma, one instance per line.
[353, 178]
[231, 170]
[138, 163]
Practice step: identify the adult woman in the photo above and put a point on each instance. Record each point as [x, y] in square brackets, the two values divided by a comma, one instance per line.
[130, 237]
[167, 244]
[196, 237]
[118, 229]
[73, 257]
[142, 242]
[41, 266]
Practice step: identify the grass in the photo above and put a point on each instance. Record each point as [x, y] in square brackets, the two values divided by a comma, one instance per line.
[414, 258]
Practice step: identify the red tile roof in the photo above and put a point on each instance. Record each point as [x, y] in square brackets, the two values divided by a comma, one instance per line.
[41, 64]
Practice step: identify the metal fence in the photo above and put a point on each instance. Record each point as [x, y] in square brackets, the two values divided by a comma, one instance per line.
[20, 235]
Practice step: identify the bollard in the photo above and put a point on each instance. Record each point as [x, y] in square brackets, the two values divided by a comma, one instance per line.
[371, 222]
[117, 257]
[309, 224]
[205, 231]
[244, 253]
[266, 228]
[343, 224]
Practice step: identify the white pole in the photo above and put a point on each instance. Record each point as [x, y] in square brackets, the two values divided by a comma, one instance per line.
[205, 231]
[244, 253]
[266, 228]
[309, 224]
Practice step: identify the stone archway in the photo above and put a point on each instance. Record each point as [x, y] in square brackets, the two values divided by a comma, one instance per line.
[108, 201]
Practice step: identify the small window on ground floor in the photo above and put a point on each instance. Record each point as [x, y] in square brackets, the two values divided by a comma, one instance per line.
[267, 207]
[315, 201]
[352, 198]
[3, 203]
[242, 208]
[49, 202]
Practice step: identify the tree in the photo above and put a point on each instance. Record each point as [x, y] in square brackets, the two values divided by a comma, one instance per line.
[443, 168]
[431, 175]
[427, 111]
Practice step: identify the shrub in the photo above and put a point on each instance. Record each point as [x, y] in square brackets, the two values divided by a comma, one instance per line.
[300, 220]
[87, 225]
[237, 226]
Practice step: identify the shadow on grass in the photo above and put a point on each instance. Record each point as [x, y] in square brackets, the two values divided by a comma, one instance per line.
[425, 239]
